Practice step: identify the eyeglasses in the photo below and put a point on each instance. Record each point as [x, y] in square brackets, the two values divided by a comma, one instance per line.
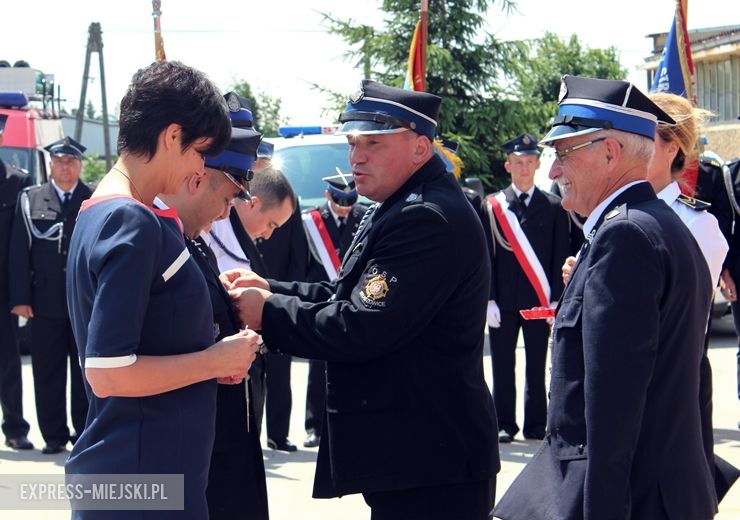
[243, 186]
[565, 151]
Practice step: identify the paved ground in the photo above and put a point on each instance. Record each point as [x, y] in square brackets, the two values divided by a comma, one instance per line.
[290, 476]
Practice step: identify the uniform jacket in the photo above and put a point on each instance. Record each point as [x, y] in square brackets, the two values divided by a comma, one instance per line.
[341, 241]
[402, 332]
[39, 266]
[236, 484]
[546, 225]
[12, 181]
[624, 436]
[732, 262]
[710, 187]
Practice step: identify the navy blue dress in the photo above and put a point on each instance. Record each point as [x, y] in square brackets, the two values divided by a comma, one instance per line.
[134, 290]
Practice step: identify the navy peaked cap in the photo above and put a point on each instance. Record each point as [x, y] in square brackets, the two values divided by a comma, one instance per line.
[239, 111]
[375, 108]
[265, 149]
[341, 188]
[66, 147]
[236, 161]
[588, 105]
[523, 144]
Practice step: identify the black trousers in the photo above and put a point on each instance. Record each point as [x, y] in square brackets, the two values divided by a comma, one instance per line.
[257, 391]
[467, 501]
[11, 386]
[279, 400]
[53, 347]
[503, 358]
[315, 396]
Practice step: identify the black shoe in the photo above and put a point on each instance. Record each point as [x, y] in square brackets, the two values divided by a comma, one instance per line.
[535, 434]
[284, 445]
[312, 440]
[53, 447]
[505, 437]
[19, 443]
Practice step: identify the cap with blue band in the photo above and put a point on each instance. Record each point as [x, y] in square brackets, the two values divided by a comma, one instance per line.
[587, 105]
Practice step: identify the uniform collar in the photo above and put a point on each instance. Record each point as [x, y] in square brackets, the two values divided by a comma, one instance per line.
[670, 193]
[595, 215]
[61, 192]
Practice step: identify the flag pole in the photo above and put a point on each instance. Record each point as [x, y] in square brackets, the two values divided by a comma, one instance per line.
[423, 18]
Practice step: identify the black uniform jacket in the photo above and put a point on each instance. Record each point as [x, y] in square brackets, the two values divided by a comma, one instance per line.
[732, 261]
[39, 266]
[12, 181]
[546, 225]
[710, 187]
[624, 439]
[402, 331]
[286, 254]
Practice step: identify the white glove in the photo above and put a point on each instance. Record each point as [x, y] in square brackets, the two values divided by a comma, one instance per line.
[493, 315]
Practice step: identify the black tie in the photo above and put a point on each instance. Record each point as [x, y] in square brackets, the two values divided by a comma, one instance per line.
[341, 223]
[523, 198]
[65, 200]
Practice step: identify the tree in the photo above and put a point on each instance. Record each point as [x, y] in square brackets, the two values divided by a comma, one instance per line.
[90, 110]
[265, 108]
[491, 89]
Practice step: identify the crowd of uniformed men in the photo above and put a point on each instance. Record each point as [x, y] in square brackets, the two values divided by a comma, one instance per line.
[394, 336]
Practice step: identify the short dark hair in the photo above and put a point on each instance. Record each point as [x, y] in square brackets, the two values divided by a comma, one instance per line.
[170, 92]
[272, 187]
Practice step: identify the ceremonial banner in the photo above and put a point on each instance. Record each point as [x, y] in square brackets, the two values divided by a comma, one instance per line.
[675, 72]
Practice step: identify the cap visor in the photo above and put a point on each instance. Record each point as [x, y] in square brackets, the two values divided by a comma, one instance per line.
[526, 152]
[368, 128]
[565, 131]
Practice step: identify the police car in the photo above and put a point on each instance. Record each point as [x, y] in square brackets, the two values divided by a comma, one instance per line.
[306, 154]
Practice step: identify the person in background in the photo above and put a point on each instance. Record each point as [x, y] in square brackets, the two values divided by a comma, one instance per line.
[44, 220]
[14, 426]
[330, 229]
[530, 242]
[152, 377]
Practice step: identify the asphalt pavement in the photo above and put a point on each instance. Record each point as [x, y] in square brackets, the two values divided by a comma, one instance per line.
[290, 475]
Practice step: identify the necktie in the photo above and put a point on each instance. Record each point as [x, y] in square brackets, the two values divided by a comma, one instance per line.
[65, 199]
[523, 196]
[341, 221]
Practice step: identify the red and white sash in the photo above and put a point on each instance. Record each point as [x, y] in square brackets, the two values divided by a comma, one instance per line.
[319, 235]
[499, 209]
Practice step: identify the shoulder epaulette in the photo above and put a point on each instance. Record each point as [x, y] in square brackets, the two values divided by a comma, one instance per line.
[708, 159]
[693, 203]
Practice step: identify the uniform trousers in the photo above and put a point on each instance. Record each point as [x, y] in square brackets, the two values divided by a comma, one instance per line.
[257, 385]
[503, 357]
[53, 347]
[279, 400]
[315, 396]
[11, 386]
[466, 501]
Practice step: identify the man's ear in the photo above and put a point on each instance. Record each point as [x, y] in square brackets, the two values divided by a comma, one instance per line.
[613, 150]
[256, 202]
[193, 182]
[507, 166]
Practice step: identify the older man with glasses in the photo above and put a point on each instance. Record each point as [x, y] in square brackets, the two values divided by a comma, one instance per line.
[624, 437]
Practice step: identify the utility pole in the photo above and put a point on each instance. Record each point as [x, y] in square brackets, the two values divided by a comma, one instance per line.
[94, 44]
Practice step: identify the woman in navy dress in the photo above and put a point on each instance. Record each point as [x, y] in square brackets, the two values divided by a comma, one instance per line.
[139, 305]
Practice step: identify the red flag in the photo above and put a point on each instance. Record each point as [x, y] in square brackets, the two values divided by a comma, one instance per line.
[417, 66]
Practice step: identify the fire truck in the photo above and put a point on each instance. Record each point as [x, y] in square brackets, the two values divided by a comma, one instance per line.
[27, 98]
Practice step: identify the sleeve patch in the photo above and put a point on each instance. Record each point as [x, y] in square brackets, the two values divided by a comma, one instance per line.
[376, 287]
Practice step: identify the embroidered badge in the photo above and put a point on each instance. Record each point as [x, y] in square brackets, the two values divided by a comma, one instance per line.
[233, 102]
[376, 288]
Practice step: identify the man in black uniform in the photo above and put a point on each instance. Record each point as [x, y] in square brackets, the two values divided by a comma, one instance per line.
[236, 477]
[409, 422]
[624, 437]
[530, 243]
[330, 229]
[15, 428]
[44, 220]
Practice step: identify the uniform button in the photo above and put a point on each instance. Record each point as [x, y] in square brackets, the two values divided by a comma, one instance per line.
[580, 448]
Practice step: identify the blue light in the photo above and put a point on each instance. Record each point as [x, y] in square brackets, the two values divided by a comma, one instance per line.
[13, 99]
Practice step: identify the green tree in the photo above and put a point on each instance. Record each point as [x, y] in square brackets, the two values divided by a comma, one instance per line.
[93, 169]
[492, 90]
[265, 108]
[90, 110]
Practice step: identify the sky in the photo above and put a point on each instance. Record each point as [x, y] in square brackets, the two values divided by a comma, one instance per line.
[281, 47]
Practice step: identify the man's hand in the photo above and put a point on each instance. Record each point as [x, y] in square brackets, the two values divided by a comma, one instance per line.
[235, 278]
[250, 302]
[24, 311]
[493, 315]
[727, 286]
[568, 268]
